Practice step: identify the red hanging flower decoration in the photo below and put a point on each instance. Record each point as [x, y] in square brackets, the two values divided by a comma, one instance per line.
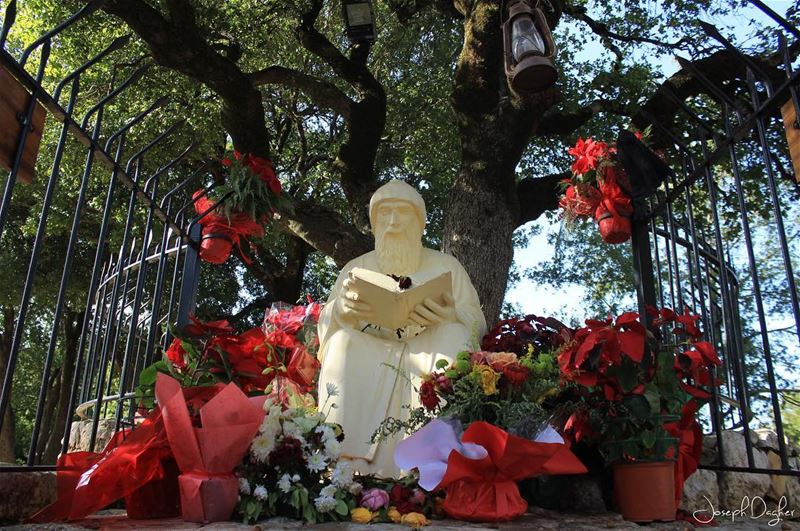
[587, 153]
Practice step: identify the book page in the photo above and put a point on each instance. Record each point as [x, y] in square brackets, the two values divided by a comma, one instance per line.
[390, 304]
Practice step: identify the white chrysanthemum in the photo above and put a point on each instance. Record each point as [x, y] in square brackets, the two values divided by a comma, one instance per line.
[342, 475]
[261, 493]
[326, 431]
[261, 447]
[285, 483]
[332, 389]
[333, 449]
[317, 462]
[325, 504]
[290, 429]
[355, 488]
[296, 478]
[244, 486]
[328, 491]
[270, 424]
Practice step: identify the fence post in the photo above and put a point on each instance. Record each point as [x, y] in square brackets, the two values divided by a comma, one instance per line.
[191, 277]
[643, 267]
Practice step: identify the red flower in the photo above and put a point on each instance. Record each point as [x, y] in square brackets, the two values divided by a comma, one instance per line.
[287, 455]
[176, 354]
[587, 153]
[428, 396]
[214, 328]
[689, 322]
[516, 374]
[443, 383]
[580, 200]
[404, 500]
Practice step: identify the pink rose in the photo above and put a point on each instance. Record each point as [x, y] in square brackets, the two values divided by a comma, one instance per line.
[375, 499]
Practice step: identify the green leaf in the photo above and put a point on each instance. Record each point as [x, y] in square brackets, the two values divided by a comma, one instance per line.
[649, 438]
[638, 406]
[341, 508]
[628, 373]
[294, 499]
[148, 376]
[653, 396]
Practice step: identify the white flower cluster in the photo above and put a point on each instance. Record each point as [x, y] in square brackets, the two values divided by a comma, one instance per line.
[326, 501]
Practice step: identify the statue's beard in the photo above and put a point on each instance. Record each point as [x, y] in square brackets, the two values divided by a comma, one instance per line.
[398, 253]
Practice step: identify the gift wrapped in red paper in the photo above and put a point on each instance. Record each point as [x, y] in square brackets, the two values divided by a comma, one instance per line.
[89, 481]
[208, 454]
[485, 490]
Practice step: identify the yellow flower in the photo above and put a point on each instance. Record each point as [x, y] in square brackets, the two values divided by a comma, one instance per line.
[360, 515]
[414, 520]
[394, 515]
[488, 378]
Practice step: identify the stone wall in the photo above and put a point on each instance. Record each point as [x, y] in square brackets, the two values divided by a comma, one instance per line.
[727, 490]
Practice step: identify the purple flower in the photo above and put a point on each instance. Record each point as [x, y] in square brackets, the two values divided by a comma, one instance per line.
[375, 499]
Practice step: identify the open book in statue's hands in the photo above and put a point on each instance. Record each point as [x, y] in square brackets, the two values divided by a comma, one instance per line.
[393, 299]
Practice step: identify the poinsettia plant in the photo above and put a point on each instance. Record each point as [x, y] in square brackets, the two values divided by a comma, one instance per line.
[636, 386]
[598, 189]
[279, 355]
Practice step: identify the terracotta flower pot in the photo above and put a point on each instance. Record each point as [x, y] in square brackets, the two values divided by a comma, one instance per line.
[216, 247]
[645, 491]
[614, 229]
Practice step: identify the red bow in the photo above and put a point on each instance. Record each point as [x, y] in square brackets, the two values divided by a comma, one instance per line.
[485, 489]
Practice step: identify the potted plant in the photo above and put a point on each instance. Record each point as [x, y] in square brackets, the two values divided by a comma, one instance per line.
[639, 391]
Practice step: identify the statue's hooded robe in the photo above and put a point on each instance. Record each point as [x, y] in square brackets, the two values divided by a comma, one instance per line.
[374, 371]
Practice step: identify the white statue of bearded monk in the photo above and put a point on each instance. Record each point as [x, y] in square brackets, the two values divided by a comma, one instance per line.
[369, 365]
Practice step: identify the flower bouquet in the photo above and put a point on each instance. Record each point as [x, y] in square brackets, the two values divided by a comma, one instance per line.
[599, 189]
[252, 192]
[639, 394]
[282, 350]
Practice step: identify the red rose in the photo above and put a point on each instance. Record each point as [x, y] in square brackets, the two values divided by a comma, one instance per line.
[176, 355]
[516, 374]
[427, 395]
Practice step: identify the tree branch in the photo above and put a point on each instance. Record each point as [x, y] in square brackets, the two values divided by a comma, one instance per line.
[321, 92]
[179, 44]
[405, 10]
[564, 123]
[538, 195]
[605, 33]
[325, 230]
[720, 68]
[353, 71]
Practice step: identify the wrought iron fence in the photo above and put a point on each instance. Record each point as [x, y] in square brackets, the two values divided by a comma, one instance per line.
[125, 245]
[719, 238]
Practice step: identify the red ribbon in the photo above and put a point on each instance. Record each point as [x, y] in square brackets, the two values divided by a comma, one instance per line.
[485, 489]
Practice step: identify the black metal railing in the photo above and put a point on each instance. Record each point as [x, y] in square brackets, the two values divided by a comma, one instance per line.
[714, 238]
[134, 264]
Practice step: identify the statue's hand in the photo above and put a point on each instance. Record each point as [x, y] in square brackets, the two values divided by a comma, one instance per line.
[430, 313]
[350, 308]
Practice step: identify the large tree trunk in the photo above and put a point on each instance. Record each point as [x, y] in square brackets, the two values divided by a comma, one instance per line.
[7, 434]
[495, 126]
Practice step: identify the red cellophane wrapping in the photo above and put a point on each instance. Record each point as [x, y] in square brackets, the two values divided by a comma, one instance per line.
[485, 490]
[89, 481]
[207, 455]
[157, 499]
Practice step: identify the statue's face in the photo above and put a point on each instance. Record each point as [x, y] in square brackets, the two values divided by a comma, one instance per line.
[398, 237]
[394, 217]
